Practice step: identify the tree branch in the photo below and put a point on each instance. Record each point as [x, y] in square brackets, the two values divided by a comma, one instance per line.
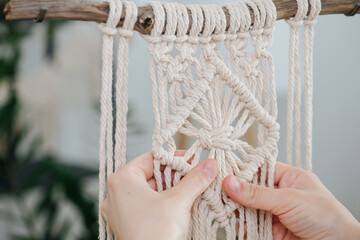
[98, 12]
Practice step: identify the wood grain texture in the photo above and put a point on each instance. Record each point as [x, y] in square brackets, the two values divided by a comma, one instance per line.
[98, 12]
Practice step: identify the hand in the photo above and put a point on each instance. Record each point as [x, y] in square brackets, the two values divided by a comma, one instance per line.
[302, 206]
[134, 210]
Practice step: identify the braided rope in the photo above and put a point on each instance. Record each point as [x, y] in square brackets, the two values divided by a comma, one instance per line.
[309, 23]
[110, 161]
[294, 102]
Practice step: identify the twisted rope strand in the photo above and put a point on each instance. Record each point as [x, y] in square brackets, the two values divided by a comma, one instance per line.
[109, 162]
[294, 104]
[309, 23]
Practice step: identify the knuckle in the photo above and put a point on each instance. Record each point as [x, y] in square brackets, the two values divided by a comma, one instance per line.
[111, 182]
[197, 180]
[290, 199]
[313, 176]
[255, 193]
[135, 171]
[121, 178]
[103, 210]
[290, 193]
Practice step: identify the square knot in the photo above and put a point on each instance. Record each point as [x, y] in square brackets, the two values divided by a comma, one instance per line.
[295, 23]
[110, 31]
[125, 32]
[217, 138]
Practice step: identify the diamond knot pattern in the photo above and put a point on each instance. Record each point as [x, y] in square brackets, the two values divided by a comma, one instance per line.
[215, 98]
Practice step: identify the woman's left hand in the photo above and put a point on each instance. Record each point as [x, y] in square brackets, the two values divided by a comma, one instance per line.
[135, 210]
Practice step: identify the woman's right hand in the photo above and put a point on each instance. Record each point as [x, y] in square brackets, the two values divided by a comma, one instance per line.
[302, 206]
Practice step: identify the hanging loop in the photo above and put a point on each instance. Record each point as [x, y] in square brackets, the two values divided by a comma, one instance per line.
[41, 15]
[354, 11]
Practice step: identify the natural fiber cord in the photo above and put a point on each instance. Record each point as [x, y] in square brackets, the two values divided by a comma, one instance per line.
[110, 162]
[295, 84]
[212, 98]
[214, 101]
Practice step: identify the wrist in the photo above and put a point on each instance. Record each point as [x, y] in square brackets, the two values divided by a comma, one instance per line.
[350, 231]
[356, 231]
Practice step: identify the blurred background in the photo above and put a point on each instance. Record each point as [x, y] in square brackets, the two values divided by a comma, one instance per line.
[50, 78]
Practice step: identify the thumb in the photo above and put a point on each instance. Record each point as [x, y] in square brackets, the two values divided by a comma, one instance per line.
[254, 196]
[195, 182]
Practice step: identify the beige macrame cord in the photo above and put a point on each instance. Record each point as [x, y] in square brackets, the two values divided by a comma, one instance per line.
[213, 82]
[295, 84]
[214, 101]
[113, 157]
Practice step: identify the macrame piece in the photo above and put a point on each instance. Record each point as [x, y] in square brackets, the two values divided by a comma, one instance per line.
[110, 162]
[295, 84]
[214, 100]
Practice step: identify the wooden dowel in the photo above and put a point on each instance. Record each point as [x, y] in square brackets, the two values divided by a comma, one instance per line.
[98, 12]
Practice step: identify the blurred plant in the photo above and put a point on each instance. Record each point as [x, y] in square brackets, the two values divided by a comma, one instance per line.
[22, 169]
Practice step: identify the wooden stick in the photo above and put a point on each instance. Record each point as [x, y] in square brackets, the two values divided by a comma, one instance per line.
[98, 12]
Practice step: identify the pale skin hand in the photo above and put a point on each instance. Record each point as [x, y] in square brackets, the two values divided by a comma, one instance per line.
[302, 206]
[135, 210]
[305, 209]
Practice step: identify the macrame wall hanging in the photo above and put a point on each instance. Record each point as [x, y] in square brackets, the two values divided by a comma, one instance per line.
[198, 91]
[212, 98]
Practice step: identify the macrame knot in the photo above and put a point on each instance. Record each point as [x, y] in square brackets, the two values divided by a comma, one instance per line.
[295, 24]
[309, 22]
[107, 30]
[192, 40]
[217, 138]
[151, 40]
[181, 39]
[243, 35]
[250, 70]
[219, 37]
[205, 40]
[256, 32]
[125, 32]
[168, 38]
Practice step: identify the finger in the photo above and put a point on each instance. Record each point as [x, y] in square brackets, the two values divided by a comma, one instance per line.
[195, 182]
[255, 196]
[104, 208]
[279, 231]
[275, 219]
[145, 163]
[152, 184]
[179, 153]
[280, 170]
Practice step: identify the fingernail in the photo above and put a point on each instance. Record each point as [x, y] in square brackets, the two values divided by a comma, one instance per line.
[211, 169]
[235, 185]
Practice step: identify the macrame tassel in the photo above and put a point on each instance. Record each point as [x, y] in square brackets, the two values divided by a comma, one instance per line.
[108, 162]
[295, 84]
[215, 103]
